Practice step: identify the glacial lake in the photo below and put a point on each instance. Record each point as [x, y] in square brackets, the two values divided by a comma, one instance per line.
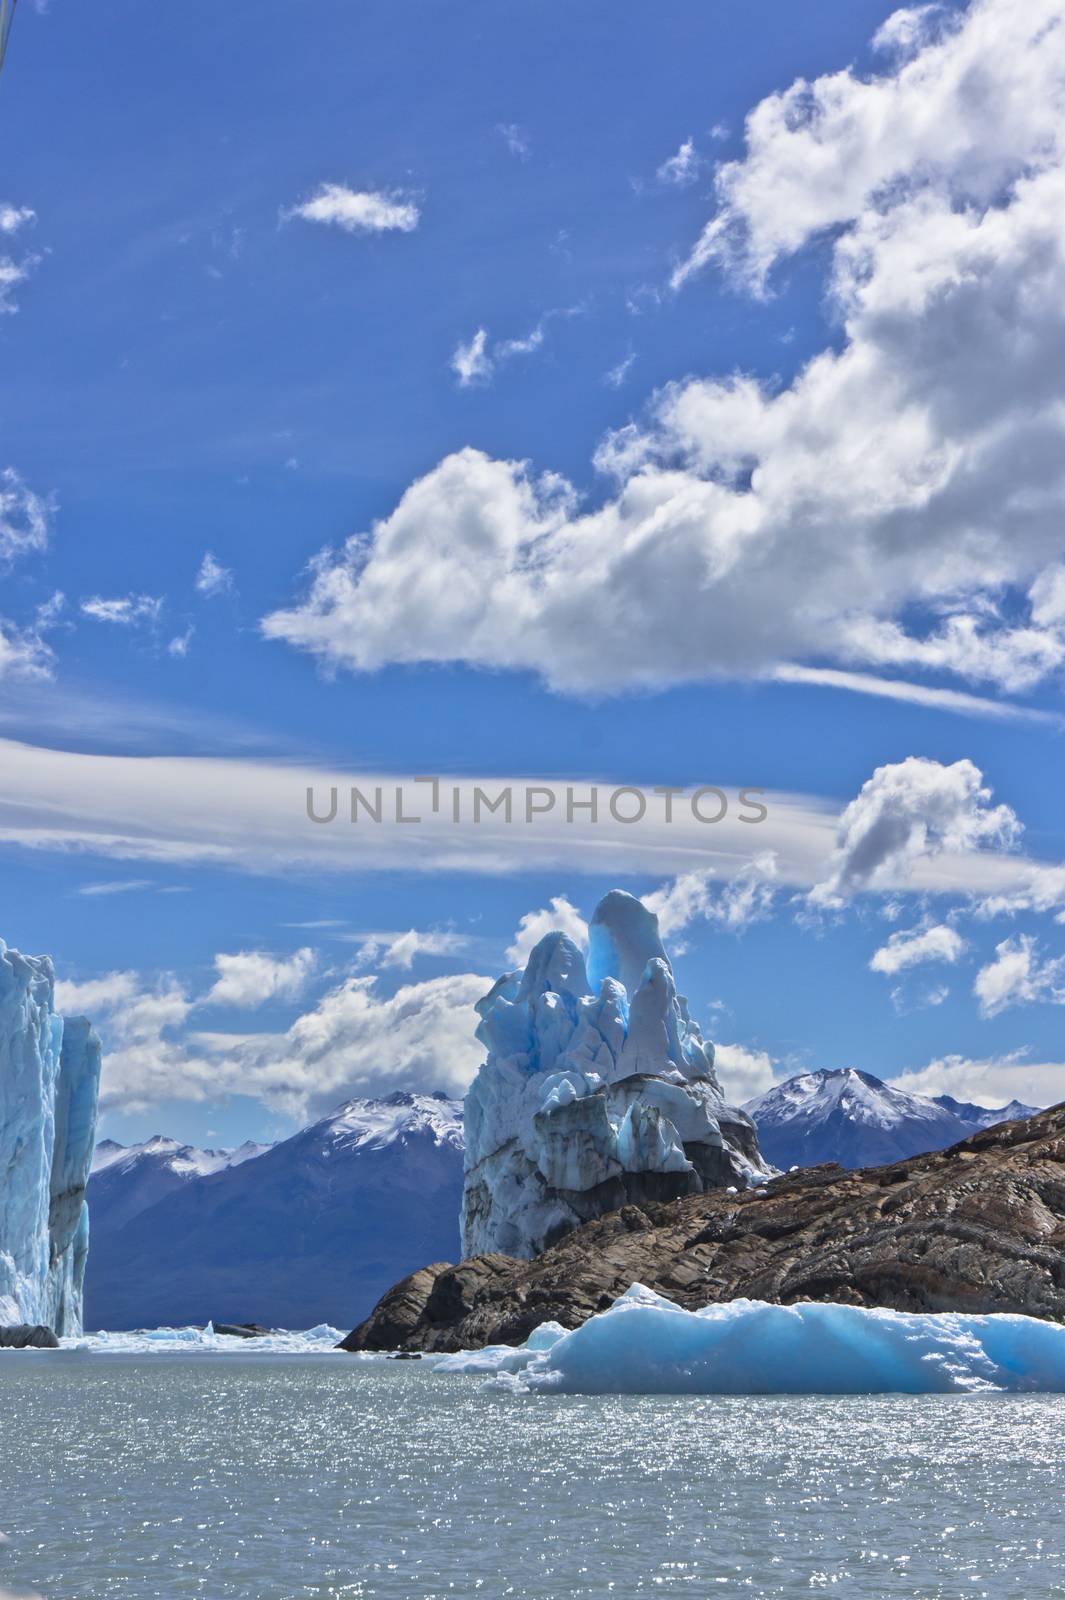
[277, 1477]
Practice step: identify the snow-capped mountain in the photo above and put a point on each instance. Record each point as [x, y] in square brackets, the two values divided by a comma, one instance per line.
[127, 1179]
[980, 1116]
[857, 1120]
[313, 1229]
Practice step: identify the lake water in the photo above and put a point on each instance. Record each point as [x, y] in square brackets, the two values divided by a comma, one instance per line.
[272, 1477]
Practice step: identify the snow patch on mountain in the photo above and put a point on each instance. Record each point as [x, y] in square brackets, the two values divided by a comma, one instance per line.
[857, 1120]
[311, 1230]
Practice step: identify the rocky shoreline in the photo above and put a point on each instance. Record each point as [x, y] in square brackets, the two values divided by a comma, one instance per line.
[979, 1227]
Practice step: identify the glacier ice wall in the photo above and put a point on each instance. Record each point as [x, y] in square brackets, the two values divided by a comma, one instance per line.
[49, 1081]
[597, 1090]
[644, 1344]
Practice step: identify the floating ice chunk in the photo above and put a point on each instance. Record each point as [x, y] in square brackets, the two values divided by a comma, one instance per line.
[204, 1341]
[503, 1358]
[644, 1344]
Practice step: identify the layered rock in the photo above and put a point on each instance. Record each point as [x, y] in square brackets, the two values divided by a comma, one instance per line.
[976, 1228]
[598, 1090]
[49, 1082]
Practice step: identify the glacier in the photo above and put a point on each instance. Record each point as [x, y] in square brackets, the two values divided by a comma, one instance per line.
[645, 1344]
[49, 1084]
[597, 1090]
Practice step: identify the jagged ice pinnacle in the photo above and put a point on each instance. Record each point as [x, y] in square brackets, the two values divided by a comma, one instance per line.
[598, 1089]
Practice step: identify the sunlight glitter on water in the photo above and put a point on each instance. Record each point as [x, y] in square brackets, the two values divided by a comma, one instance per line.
[288, 1478]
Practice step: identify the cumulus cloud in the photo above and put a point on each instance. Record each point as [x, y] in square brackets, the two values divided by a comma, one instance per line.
[746, 897]
[213, 578]
[357, 211]
[745, 1073]
[914, 946]
[991, 1082]
[682, 167]
[910, 810]
[1018, 977]
[401, 950]
[559, 916]
[352, 1041]
[897, 504]
[126, 611]
[251, 977]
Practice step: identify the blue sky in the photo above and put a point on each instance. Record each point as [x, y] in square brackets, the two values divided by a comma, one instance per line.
[818, 440]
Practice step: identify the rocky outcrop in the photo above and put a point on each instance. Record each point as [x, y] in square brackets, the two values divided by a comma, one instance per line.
[28, 1336]
[598, 1089]
[979, 1227]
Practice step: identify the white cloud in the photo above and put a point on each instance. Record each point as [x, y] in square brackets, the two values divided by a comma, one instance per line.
[969, 108]
[251, 977]
[1018, 977]
[252, 815]
[12, 273]
[515, 139]
[745, 1073]
[357, 211]
[213, 578]
[918, 694]
[1041, 889]
[401, 950]
[908, 811]
[116, 886]
[179, 644]
[747, 897]
[913, 946]
[475, 360]
[24, 651]
[470, 362]
[992, 1082]
[25, 517]
[894, 506]
[520, 347]
[682, 167]
[615, 376]
[351, 1041]
[127, 611]
[560, 916]
[12, 218]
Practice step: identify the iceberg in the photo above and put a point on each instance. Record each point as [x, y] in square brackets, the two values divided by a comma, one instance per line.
[644, 1344]
[321, 1340]
[597, 1090]
[49, 1083]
